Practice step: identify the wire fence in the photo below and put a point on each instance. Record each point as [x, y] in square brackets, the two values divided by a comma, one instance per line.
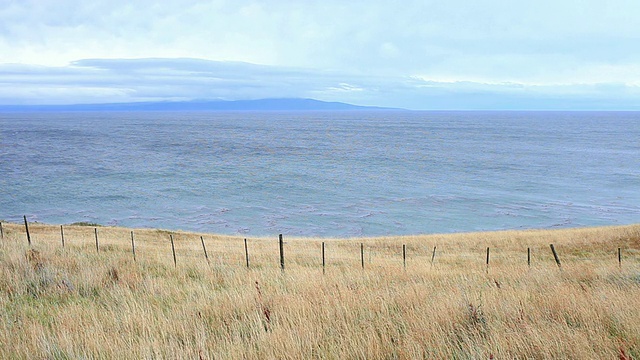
[187, 248]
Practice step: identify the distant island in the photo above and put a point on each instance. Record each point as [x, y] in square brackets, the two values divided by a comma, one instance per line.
[285, 104]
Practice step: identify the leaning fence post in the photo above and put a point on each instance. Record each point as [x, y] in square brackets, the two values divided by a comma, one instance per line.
[133, 247]
[404, 256]
[173, 250]
[281, 252]
[205, 250]
[362, 254]
[95, 230]
[433, 256]
[246, 252]
[1, 232]
[555, 256]
[26, 226]
[62, 235]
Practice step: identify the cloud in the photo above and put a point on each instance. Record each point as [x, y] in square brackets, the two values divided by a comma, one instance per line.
[118, 80]
[161, 79]
[486, 40]
[418, 54]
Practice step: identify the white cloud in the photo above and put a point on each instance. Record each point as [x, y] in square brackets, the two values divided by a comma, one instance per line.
[344, 87]
[128, 80]
[375, 45]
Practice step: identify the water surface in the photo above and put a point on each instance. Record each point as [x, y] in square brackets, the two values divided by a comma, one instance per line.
[322, 173]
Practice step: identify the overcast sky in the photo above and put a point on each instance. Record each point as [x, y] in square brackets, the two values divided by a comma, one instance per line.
[455, 54]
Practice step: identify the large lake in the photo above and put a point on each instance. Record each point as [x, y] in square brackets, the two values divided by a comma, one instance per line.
[322, 173]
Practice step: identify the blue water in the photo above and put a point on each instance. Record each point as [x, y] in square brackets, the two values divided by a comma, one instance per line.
[322, 173]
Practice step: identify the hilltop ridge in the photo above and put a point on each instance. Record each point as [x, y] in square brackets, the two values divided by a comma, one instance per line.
[274, 104]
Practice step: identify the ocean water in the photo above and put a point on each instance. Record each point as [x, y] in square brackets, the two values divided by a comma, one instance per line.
[322, 173]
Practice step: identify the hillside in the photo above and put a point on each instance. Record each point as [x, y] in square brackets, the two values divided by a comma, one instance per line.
[239, 105]
[79, 301]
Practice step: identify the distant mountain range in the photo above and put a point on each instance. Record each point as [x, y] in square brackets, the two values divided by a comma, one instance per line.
[219, 105]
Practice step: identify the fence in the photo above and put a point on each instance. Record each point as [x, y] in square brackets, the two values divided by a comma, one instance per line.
[238, 252]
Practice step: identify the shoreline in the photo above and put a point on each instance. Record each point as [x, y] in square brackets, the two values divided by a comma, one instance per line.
[489, 233]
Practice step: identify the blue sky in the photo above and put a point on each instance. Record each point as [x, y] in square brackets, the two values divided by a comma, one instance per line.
[414, 54]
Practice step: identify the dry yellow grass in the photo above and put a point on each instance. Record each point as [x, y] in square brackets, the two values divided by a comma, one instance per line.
[76, 303]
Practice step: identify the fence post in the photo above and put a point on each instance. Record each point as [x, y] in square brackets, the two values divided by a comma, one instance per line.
[246, 252]
[619, 257]
[281, 252]
[487, 260]
[529, 257]
[433, 256]
[205, 250]
[26, 226]
[173, 250]
[323, 262]
[404, 256]
[62, 235]
[555, 256]
[95, 230]
[1, 232]
[362, 254]
[133, 247]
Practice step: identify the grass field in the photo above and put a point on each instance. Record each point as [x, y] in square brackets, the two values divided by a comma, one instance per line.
[75, 302]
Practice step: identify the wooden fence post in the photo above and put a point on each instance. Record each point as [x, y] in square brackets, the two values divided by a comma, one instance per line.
[529, 257]
[555, 256]
[62, 235]
[1, 232]
[281, 252]
[323, 262]
[205, 250]
[173, 250]
[246, 252]
[404, 256]
[95, 230]
[487, 260]
[26, 226]
[362, 254]
[133, 247]
[433, 255]
[619, 257]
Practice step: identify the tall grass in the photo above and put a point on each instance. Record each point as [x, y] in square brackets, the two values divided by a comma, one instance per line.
[77, 303]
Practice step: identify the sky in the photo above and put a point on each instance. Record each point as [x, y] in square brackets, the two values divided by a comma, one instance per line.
[423, 55]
